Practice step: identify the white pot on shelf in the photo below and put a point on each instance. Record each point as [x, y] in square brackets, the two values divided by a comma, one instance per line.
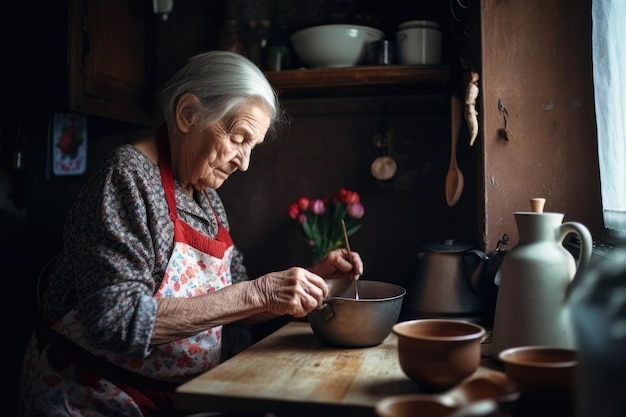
[419, 43]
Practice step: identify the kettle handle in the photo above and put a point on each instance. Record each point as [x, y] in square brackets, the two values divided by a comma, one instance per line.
[477, 273]
[586, 244]
[479, 254]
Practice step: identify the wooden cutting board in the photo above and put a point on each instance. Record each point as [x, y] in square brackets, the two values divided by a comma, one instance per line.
[291, 371]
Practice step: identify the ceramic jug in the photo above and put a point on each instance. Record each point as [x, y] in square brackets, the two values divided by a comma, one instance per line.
[535, 280]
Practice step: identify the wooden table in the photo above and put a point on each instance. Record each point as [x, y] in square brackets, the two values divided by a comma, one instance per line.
[292, 373]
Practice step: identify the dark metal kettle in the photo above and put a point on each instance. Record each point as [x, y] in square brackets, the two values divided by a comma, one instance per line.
[448, 281]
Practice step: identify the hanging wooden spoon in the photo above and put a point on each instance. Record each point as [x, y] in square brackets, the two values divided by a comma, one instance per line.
[454, 179]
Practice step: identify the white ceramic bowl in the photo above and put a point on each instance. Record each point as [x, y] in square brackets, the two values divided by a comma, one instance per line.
[334, 45]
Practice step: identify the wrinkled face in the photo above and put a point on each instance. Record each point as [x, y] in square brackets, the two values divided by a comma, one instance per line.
[209, 155]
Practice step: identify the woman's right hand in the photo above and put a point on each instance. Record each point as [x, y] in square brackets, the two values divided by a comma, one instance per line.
[295, 291]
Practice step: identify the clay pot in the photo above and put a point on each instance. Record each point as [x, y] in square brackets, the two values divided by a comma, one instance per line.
[546, 376]
[486, 392]
[438, 353]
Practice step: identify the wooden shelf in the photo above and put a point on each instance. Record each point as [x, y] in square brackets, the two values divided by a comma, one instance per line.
[359, 79]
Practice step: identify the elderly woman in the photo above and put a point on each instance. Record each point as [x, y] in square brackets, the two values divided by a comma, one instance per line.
[148, 273]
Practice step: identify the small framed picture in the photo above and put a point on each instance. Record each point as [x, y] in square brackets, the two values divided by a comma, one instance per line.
[69, 144]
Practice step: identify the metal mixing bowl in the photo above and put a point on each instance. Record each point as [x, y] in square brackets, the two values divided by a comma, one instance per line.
[344, 321]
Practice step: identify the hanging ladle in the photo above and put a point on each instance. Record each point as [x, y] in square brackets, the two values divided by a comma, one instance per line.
[454, 179]
[384, 167]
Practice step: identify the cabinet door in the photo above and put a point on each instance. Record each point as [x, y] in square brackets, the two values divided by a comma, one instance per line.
[111, 59]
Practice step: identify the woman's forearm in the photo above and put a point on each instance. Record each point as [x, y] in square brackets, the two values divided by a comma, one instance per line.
[179, 317]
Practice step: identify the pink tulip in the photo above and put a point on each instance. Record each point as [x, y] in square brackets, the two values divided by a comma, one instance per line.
[317, 206]
[301, 218]
[356, 210]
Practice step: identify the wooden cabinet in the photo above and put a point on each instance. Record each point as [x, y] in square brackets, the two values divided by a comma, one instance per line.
[110, 59]
[90, 56]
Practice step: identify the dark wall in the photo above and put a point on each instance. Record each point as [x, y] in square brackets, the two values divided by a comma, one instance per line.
[330, 145]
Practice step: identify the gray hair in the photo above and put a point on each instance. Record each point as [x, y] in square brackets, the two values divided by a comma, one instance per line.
[223, 82]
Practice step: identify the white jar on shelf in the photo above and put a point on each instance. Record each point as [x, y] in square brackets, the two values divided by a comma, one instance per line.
[419, 43]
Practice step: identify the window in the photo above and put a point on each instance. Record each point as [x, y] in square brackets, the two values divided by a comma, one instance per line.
[609, 72]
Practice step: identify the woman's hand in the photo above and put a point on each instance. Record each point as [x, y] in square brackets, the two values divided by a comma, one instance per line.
[295, 291]
[298, 291]
[339, 264]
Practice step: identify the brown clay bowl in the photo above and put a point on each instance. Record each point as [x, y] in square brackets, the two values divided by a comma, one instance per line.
[485, 385]
[414, 405]
[438, 353]
[546, 376]
[541, 367]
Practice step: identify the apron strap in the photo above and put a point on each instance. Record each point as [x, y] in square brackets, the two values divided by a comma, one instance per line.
[182, 231]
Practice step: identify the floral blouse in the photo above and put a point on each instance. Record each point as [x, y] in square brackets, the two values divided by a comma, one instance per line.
[117, 241]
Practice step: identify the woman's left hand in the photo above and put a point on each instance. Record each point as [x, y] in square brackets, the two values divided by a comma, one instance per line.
[339, 264]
